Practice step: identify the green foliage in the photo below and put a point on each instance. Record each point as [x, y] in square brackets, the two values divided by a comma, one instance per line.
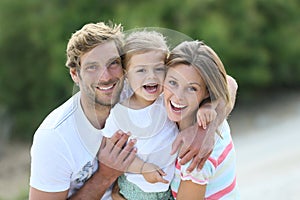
[256, 39]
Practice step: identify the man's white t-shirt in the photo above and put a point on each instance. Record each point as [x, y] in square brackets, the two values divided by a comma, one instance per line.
[63, 153]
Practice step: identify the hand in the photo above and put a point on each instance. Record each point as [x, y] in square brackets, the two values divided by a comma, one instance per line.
[195, 144]
[153, 174]
[205, 114]
[114, 158]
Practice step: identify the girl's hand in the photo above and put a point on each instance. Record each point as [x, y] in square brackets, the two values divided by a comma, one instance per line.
[205, 115]
[153, 174]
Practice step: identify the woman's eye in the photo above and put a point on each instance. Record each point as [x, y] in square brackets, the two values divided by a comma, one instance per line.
[192, 89]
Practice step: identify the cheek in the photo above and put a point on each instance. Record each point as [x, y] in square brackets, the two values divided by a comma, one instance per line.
[118, 72]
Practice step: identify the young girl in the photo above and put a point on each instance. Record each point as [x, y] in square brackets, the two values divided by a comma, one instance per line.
[196, 75]
[144, 116]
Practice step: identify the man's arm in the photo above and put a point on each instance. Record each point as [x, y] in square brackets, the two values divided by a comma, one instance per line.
[113, 161]
[197, 143]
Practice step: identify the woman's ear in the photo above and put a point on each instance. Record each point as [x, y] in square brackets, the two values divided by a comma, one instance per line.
[206, 96]
[74, 74]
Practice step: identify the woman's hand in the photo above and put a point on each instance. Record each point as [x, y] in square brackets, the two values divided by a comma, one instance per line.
[194, 143]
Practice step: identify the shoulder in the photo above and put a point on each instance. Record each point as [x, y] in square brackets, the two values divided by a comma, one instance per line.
[61, 114]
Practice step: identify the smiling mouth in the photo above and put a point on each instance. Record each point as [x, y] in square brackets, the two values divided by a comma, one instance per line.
[106, 88]
[177, 107]
[151, 88]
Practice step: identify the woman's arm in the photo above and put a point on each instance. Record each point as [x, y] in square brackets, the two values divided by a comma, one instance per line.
[190, 191]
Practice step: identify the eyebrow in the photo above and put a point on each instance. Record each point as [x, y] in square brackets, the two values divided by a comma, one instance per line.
[108, 61]
[113, 59]
[90, 63]
[152, 64]
[193, 83]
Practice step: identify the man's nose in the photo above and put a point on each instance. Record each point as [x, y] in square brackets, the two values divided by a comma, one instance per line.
[104, 75]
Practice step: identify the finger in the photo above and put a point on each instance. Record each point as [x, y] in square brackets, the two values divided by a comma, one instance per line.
[183, 151]
[129, 158]
[193, 165]
[176, 145]
[211, 117]
[203, 160]
[122, 141]
[162, 180]
[116, 136]
[204, 126]
[103, 143]
[186, 157]
[161, 172]
[199, 120]
[127, 149]
[201, 164]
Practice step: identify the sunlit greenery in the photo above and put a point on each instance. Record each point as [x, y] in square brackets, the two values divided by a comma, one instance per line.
[258, 41]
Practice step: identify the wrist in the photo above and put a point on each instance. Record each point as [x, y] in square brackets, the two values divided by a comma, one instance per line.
[103, 178]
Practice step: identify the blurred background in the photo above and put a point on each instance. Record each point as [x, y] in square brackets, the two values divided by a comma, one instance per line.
[257, 40]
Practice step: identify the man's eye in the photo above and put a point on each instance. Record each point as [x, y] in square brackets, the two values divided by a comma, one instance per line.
[92, 67]
[116, 62]
[140, 70]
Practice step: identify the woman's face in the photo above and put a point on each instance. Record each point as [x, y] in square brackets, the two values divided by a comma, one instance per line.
[184, 90]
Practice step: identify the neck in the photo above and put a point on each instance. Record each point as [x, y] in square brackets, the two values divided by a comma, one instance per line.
[96, 114]
[136, 102]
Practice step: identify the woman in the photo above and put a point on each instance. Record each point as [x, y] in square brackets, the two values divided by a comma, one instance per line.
[196, 75]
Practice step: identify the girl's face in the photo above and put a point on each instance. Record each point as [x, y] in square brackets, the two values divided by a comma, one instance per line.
[184, 90]
[146, 73]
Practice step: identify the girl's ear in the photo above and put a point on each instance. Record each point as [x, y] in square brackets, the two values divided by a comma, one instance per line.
[74, 75]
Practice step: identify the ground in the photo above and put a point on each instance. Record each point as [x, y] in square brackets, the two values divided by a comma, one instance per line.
[266, 137]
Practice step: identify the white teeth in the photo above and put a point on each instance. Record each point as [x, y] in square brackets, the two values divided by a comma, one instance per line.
[177, 105]
[151, 84]
[106, 88]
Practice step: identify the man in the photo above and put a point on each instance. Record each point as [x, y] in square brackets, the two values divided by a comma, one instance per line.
[65, 146]
[70, 160]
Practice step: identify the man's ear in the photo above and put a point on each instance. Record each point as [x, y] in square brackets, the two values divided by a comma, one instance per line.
[74, 74]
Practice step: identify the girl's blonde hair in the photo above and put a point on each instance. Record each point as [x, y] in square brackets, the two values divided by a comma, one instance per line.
[90, 36]
[201, 56]
[139, 42]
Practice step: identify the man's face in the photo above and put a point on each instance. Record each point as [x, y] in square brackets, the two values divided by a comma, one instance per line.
[100, 76]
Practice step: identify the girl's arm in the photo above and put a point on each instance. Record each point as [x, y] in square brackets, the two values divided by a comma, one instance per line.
[151, 172]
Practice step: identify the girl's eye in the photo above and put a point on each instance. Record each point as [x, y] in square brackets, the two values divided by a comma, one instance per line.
[160, 69]
[173, 83]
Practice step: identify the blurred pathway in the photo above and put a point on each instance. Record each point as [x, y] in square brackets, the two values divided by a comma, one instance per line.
[267, 142]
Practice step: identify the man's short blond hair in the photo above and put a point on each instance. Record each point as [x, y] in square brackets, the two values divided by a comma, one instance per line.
[90, 36]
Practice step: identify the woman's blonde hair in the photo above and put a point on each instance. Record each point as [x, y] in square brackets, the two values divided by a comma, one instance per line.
[201, 56]
[143, 41]
[90, 36]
